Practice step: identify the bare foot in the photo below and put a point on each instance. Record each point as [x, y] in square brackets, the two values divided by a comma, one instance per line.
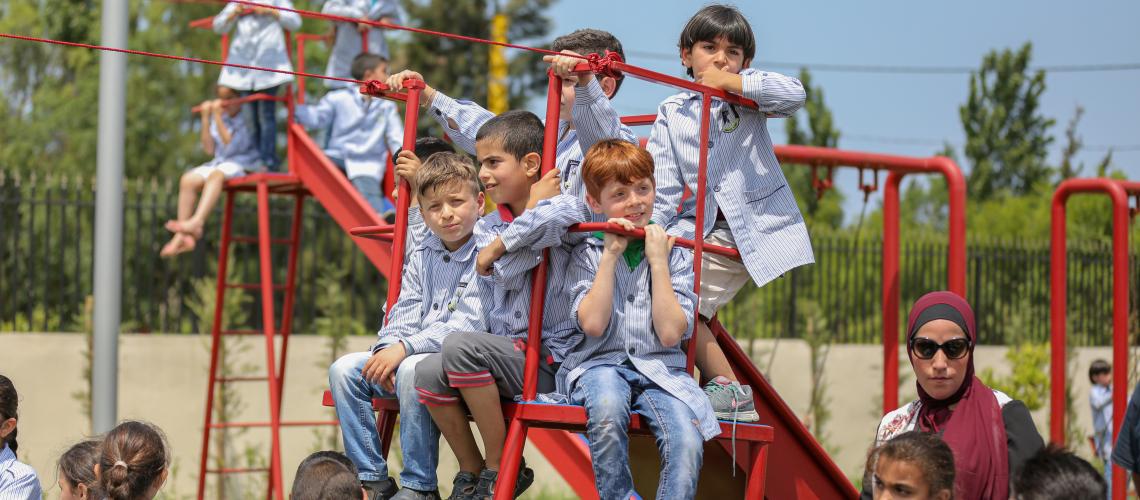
[179, 244]
[184, 227]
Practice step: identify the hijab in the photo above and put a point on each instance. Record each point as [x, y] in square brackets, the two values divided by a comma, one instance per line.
[974, 429]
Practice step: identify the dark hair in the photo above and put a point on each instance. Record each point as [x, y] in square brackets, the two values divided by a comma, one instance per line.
[591, 41]
[132, 457]
[715, 21]
[926, 451]
[77, 465]
[427, 146]
[365, 62]
[9, 400]
[1098, 367]
[326, 475]
[520, 132]
[1055, 472]
[448, 169]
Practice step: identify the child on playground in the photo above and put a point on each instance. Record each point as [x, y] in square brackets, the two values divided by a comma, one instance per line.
[133, 463]
[77, 479]
[259, 40]
[225, 135]
[485, 358]
[362, 130]
[633, 300]
[327, 475]
[583, 96]
[749, 205]
[349, 38]
[17, 480]
[1100, 403]
[914, 465]
[436, 277]
[1055, 473]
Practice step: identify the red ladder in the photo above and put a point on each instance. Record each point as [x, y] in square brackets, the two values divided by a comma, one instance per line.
[263, 185]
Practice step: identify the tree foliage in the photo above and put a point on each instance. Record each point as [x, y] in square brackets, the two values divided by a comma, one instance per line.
[1006, 135]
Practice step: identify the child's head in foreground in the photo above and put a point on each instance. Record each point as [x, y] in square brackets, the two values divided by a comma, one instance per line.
[1055, 473]
[717, 36]
[326, 475]
[77, 479]
[619, 181]
[1100, 373]
[133, 461]
[9, 413]
[451, 198]
[367, 66]
[585, 42]
[509, 150]
[913, 465]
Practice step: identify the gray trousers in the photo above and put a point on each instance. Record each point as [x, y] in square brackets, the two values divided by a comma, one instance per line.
[475, 360]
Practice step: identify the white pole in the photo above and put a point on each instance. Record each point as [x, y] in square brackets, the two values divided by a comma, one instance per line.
[109, 219]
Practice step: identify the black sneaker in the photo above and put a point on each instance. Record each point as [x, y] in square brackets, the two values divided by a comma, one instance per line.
[383, 489]
[463, 488]
[485, 490]
[407, 493]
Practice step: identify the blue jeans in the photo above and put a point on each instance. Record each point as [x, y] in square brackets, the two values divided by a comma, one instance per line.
[368, 187]
[264, 120]
[419, 437]
[608, 393]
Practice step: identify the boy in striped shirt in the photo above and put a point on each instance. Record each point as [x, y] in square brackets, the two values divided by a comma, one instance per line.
[748, 205]
[634, 302]
[436, 276]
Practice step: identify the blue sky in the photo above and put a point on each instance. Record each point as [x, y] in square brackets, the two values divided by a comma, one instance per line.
[906, 114]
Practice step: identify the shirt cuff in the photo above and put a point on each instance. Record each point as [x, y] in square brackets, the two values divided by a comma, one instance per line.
[444, 107]
[752, 85]
[409, 350]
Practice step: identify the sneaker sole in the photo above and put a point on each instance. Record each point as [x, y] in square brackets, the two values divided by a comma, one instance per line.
[739, 416]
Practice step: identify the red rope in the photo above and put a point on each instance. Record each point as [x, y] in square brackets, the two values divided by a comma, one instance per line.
[378, 24]
[176, 58]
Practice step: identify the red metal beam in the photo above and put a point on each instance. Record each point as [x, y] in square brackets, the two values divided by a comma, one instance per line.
[1117, 191]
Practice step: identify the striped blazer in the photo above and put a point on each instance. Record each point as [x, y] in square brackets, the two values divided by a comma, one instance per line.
[744, 184]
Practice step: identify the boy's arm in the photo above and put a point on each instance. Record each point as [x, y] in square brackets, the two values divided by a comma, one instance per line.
[223, 130]
[460, 119]
[776, 94]
[595, 119]
[225, 19]
[666, 170]
[1100, 399]
[317, 116]
[594, 302]
[545, 225]
[669, 315]
[290, 21]
[204, 136]
[406, 315]
[417, 230]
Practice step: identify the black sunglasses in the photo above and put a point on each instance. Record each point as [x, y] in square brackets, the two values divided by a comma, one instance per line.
[925, 348]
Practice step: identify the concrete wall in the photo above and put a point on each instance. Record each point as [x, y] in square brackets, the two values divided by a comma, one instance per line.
[163, 380]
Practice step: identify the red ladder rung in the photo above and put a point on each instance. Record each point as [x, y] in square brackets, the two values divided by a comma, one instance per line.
[252, 286]
[255, 239]
[243, 425]
[237, 470]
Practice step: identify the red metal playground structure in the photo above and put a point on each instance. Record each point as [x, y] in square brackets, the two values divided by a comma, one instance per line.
[776, 458]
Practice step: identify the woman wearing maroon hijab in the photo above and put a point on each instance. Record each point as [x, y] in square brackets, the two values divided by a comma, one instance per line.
[990, 434]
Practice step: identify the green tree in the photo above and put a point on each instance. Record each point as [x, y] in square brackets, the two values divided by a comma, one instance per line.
[459, 68]
[819, 130]
[1006, 135]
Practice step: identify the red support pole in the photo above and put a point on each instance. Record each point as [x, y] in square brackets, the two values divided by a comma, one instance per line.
[1118, 192]
[400, 237]
[699, 229]
[290, 293]
[215, 339]
[266, 271]
[890, 299]
[956, 253]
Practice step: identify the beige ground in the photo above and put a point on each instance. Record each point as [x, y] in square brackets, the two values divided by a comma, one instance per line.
[163, 380]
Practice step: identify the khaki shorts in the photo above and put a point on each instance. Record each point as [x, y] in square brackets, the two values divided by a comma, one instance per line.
[721, 277]
[228, 168]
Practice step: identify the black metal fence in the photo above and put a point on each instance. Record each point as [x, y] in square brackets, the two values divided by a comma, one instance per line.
[46, 233]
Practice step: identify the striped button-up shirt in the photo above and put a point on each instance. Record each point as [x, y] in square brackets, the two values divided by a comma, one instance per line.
[594, 121]
[18, 480]
[630, 336]
[744, 184]
[500, 304]
[348, 42]
[434, 281]
[241, 149]
[258, 40]
[362, 130]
